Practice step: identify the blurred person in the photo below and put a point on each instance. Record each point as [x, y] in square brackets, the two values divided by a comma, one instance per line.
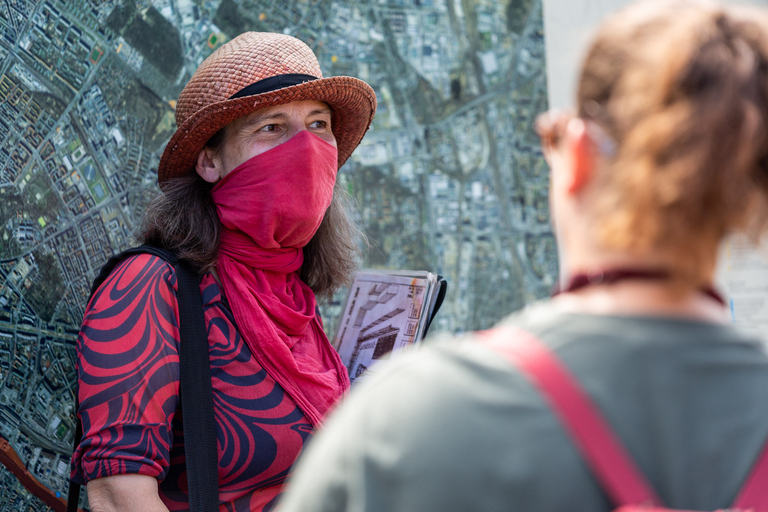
[666, 154]
[249, 200]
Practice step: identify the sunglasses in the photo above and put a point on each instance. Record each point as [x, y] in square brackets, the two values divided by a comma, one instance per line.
[551, 125]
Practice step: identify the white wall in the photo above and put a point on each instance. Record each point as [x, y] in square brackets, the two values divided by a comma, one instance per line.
[567, 27]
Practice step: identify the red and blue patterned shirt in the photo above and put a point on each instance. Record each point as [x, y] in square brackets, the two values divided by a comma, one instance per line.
[128, 375]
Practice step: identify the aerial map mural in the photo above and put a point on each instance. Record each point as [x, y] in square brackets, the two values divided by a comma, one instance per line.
[449, 179]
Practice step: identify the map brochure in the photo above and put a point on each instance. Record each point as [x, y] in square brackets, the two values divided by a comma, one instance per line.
[743, 276]
[386, 310]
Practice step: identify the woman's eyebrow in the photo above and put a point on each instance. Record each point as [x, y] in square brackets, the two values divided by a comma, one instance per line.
[322, 110]
[265, 117]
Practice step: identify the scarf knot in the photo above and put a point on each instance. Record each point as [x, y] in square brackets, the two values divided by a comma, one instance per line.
[239, 247]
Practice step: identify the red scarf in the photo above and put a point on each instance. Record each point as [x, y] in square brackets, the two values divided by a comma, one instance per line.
[270, 207]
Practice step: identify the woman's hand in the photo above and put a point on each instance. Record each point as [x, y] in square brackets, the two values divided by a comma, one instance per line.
[125, 493]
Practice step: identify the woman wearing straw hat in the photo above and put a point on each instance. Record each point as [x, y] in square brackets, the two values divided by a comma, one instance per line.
[629, 387]
[249, 199]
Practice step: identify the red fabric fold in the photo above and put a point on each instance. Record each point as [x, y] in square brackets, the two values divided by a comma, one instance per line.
[270, 207]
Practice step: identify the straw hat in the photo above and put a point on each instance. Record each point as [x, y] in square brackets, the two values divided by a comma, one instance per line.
[256, 70]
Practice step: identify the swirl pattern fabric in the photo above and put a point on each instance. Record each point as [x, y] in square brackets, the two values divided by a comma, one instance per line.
[128, 373]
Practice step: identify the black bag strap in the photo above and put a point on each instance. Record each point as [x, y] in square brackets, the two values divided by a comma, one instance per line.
[200, 447]
[198, 418]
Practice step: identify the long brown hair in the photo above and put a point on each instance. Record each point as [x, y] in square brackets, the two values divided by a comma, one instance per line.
[682, 88]
[183, 218]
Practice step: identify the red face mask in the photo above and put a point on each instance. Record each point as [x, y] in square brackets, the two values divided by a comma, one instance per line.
[270, 207]
[278, 198]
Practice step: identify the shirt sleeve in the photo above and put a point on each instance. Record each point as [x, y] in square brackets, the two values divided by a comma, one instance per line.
[128, 372]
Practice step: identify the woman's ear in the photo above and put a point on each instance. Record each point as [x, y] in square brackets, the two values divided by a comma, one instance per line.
[582, 155]
[207, 165]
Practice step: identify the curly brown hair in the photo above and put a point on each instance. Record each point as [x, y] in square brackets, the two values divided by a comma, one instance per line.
[682, 88]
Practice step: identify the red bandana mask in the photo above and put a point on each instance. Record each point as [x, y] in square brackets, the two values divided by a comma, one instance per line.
[278, 198]
[270, 207]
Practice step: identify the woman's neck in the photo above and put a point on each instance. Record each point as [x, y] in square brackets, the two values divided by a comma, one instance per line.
[642, 298]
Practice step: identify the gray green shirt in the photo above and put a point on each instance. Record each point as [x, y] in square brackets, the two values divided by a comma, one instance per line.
[454, 427]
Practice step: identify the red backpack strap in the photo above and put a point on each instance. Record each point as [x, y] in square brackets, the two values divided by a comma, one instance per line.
[754, 493]
[620, 478]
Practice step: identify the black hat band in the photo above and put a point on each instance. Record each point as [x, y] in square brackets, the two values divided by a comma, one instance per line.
[272, 83]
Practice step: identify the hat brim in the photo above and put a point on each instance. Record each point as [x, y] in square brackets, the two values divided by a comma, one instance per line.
[352, 103]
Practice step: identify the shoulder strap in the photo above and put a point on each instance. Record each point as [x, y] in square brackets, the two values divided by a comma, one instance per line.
[195, 381]
[200, 442]
[754, 493]
[603, 451]
[617, 473]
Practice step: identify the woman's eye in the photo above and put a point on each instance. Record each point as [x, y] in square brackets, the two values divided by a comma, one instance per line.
[319, 124]
[268, 128]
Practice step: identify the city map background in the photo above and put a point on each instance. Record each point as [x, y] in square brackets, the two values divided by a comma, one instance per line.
[450, 177]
